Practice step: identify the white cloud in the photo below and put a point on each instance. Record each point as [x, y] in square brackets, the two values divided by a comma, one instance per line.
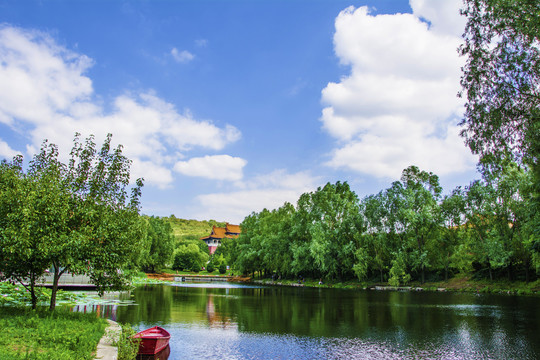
[201, 43]
[398, 106]
[6, 152]
[218, 167]
[437, 12]
[38, 79]
[43, 88]
[268, 191]
[183, 56]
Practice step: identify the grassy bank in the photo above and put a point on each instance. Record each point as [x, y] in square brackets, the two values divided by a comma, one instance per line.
[60, 335]
[458, 284]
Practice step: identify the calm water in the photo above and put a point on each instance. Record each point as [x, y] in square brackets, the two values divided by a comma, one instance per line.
[224, 321]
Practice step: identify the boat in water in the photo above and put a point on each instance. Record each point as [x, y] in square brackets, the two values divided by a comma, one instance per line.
[153, 340]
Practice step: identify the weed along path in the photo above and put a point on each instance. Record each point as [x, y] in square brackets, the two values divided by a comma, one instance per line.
[106, 350]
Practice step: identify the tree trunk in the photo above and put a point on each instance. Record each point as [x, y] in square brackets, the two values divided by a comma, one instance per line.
[382, 278]
[52, 304]
[56, 278]
[423, 275]
[490, 273]
[33, 290]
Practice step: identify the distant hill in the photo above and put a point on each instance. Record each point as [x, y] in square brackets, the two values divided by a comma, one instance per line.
[191, 229]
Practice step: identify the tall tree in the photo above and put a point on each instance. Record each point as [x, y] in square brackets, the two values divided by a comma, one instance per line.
[334, 225]
[501, 78]
[419, 215]
[452, 248]
[79, 216]
[501, 82]
[29, 209]
[160, 244]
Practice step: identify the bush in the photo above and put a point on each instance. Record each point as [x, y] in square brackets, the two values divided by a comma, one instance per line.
[127, 347]
[222, 268]
[196, 267]
[210, 267]
[187, 257]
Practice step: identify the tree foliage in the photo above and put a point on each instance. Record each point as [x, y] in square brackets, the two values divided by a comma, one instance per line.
[501, 78]
[77, 217]
[406, 232]
[501, 83]
[160, 244]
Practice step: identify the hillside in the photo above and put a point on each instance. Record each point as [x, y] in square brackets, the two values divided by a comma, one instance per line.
[191, 229]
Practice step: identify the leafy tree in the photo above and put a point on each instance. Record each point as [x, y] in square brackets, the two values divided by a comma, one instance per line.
[452, 247]
[510, 211]
[420, 214]
[487, 246]
[501, 78]
[160, 244]
[79, 216]
[334, 225]
[222, 268]
[501, 81]
[398, 272]
[29, 207]
[377, 237]
[189, 257]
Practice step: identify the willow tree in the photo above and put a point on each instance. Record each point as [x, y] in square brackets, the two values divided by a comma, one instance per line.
[501, 84]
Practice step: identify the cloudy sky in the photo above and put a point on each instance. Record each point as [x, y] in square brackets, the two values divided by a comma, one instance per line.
[228, 107]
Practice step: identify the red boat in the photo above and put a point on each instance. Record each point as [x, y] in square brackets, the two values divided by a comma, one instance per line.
[153, 340]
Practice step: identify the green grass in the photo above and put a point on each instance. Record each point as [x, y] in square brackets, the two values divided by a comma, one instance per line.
[458, 284]
[191, 229]
[58, 335]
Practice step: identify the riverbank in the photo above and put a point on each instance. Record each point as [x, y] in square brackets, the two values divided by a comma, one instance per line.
[457, 284]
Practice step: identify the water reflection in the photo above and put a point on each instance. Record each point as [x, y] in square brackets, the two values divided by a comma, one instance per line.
[300, 323]
[162, 355]
[104, 311]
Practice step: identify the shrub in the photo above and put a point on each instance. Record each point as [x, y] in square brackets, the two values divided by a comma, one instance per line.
[210, 267]
[127, 347]
[196, 267]
[222, 268]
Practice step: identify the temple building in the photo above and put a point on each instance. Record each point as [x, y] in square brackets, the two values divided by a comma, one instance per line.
[219, 233]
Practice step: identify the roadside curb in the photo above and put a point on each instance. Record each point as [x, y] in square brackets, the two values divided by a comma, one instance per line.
[105, 349]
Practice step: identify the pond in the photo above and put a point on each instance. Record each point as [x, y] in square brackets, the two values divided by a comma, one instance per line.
[228, 321]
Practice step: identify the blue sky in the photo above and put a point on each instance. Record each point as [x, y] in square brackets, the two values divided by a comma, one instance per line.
[228, 107]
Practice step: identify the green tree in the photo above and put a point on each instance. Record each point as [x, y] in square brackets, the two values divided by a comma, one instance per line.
[453, 244]
[79, 216]
[160, 246]
[501, 82]
[510, 211]
[377, 238]
[189, 257]
[334, 225]
[412, 221]
[501, 78]
[487, 244]
[28, 213]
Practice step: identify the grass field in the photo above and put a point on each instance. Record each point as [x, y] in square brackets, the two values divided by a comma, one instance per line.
[191, 229]
[60, 335]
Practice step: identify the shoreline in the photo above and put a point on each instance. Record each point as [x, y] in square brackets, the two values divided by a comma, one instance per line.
[456, 284]
[464, 285]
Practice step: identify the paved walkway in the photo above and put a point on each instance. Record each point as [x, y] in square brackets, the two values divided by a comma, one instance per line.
[105, 349]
